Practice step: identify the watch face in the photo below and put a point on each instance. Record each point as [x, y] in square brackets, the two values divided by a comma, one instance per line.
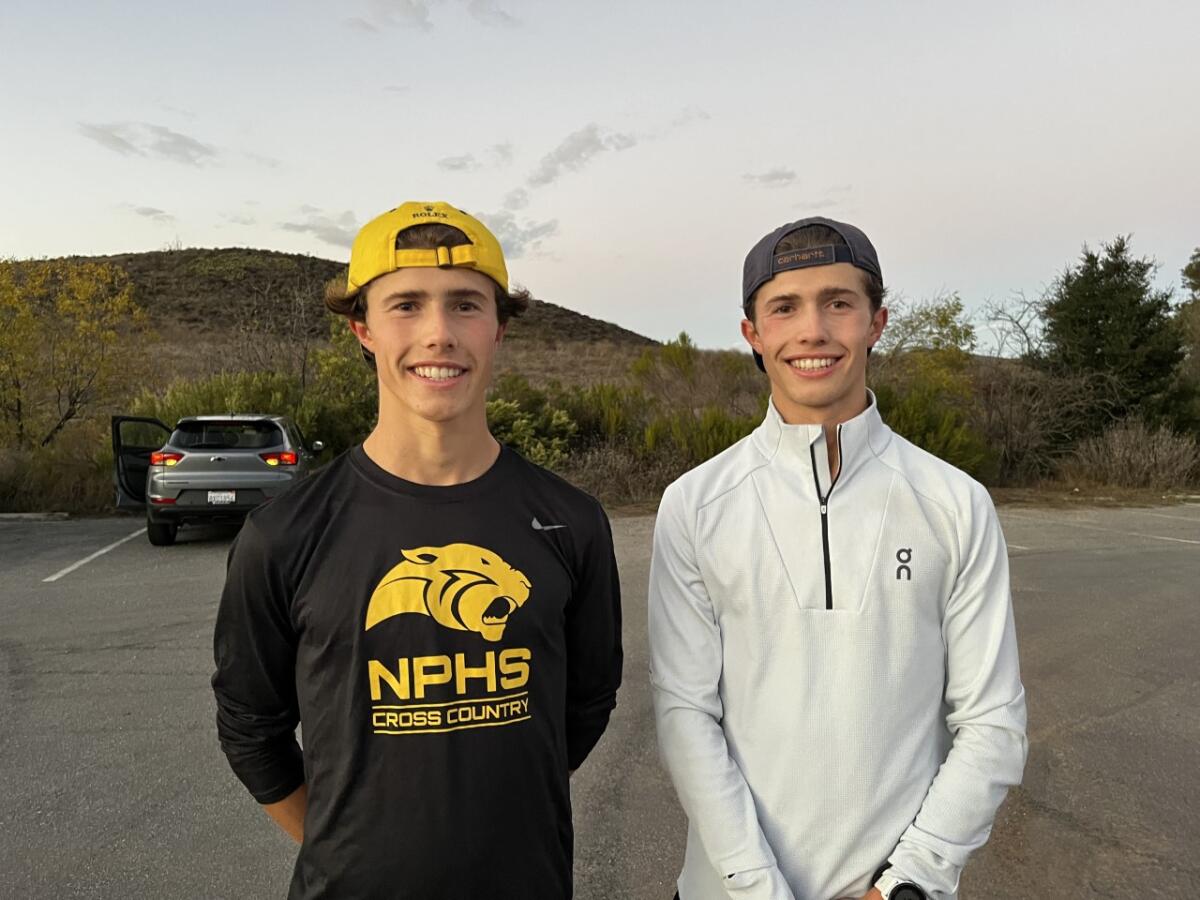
[907, 892]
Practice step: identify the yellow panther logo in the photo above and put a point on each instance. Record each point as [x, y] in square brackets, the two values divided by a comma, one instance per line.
[461, 586]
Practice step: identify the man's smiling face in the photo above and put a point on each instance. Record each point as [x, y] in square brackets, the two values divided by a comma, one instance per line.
[434, 334]
[813, 327]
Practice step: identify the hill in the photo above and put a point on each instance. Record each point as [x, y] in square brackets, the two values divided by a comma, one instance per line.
[204, 288]
[201, 302]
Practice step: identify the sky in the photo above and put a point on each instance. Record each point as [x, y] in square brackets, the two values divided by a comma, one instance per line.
[627, 154]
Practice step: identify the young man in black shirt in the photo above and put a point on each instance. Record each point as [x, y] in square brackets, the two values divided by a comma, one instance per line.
[442, 616]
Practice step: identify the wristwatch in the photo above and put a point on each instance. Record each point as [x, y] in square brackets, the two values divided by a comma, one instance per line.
[893, 888]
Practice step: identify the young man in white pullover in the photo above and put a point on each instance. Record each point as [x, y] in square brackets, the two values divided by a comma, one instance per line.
[833, 656]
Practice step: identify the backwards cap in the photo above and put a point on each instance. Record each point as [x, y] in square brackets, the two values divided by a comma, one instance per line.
[374, 251]
[763, 263]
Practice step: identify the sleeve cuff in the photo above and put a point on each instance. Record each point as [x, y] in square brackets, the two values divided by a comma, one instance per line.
[583, 733]
[272, 780]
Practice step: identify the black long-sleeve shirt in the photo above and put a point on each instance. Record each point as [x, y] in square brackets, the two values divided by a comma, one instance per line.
[451, 652]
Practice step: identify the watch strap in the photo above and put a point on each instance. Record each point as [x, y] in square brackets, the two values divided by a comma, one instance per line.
[893, 888]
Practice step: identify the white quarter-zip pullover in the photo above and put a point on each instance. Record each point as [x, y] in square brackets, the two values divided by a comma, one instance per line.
[834, 664]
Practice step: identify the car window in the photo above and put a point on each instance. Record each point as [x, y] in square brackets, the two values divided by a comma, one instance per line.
[293, 433]
[140, 435]
[215, 435]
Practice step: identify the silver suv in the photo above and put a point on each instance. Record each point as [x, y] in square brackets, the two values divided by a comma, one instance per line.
[207, 469]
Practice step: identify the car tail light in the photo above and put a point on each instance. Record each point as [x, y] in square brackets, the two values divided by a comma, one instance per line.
[163, 458]
[286, 458]
[162, 501]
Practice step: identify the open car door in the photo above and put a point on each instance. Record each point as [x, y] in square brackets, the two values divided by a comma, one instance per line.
[134, 439]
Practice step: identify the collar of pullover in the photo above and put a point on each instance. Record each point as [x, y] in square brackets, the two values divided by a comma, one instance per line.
[805, 447]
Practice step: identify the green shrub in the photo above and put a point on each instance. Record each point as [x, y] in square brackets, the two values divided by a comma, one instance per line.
[690, 439]
[926, 418]
[677, 373]
[338, 407]
[542, 437]
[74, 474]
[676, 359]
[923, 384]
[605, 413]
[342, 404]
[226, 392]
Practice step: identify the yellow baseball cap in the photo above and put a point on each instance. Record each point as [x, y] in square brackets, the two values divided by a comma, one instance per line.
[374, 251]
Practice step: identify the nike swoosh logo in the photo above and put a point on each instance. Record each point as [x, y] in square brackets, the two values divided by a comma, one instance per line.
[538, 526]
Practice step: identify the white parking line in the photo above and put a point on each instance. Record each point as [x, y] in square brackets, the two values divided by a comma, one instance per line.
[1155, 537]
[87, 559]
[1165, 516]
[1016, 547]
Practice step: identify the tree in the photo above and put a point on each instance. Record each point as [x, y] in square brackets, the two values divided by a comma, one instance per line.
[1186, 390]
[922, 380]
[280, 321]
[63, 325]
[1191, 276]
[1104, 316]
[936, 324]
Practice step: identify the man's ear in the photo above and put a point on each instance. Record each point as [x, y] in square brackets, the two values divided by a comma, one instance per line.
[750, 333]
[500, 333]
[363, 333]
[878, 322]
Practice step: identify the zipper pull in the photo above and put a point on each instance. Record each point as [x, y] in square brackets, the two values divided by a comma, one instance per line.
[824, 509]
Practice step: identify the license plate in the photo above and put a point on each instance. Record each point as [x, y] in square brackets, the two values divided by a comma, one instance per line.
[218, 497]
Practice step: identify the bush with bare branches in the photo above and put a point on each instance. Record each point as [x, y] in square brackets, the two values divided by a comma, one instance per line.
[1130, 454]
[1029, 416]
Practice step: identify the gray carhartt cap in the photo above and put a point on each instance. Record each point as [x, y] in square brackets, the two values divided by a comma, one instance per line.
[763, 263]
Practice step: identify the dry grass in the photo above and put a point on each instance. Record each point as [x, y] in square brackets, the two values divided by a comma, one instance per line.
[573, 363]
[1064, 495]
[620, 477]
[180, 352]
[1131, 455]
[74, 474]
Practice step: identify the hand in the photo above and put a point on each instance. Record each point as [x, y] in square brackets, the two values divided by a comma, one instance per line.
[289, 812]
[872, 894]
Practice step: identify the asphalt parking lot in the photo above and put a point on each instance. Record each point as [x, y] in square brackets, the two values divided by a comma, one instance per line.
[112, 784]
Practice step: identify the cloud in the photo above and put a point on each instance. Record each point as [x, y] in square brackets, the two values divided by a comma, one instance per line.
[172, 145]
[489, 13]
[396, 88]
[239, 219]
[688, 115]
[338, 231]
[153, 213]
[414, 14]
[832, 196]
[517, 198]
[108, 136]
[269, 162]
[151, 141]
[501, 153]
[572, 154]
[177, 110]
[382, 14]
[518, 238]
[778, 177]
[620, 141]
[464, 163]
[496, 155]
[576, 150]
